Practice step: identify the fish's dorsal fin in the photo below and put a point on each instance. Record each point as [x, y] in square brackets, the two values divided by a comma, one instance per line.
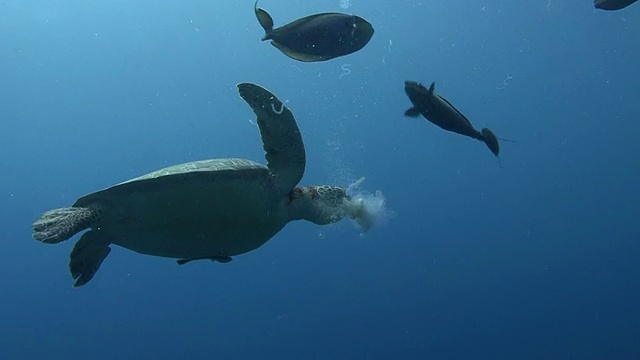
[432, 88]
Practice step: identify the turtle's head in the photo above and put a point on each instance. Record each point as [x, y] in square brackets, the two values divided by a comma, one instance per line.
[321, 205]
[326, 204]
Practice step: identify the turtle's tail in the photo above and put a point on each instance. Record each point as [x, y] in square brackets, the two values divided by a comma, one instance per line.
[366, 209]
[59, 225]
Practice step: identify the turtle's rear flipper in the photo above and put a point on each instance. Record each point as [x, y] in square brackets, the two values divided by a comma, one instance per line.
[86, 257]
[59, 225]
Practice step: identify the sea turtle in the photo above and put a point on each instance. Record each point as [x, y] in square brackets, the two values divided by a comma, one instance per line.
[208, 209]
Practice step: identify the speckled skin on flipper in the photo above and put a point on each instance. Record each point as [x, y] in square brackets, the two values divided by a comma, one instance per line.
[208, 209]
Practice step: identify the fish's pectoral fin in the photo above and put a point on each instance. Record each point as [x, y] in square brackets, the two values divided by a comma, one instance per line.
[264, 19]
[298, 55]
[412, 112]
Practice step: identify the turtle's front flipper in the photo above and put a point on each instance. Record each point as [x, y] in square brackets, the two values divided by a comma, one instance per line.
[59, 225]
[281, 137]
[87, 256]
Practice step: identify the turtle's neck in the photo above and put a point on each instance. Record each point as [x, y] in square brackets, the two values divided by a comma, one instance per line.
[321, 205]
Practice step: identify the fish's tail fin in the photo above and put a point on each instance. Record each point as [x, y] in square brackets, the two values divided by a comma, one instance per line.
[490, 139]
[265, 21]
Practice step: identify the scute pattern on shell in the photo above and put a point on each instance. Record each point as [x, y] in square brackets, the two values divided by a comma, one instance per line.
[210, 165]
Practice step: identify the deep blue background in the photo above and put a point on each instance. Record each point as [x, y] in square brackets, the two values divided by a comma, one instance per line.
[535, 260]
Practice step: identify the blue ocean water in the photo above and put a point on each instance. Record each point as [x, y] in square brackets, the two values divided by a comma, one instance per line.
[534, 259]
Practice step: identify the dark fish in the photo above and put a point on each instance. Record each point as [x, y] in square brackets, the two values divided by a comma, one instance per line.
[318, 37]
[442, 113]
[612, 4]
